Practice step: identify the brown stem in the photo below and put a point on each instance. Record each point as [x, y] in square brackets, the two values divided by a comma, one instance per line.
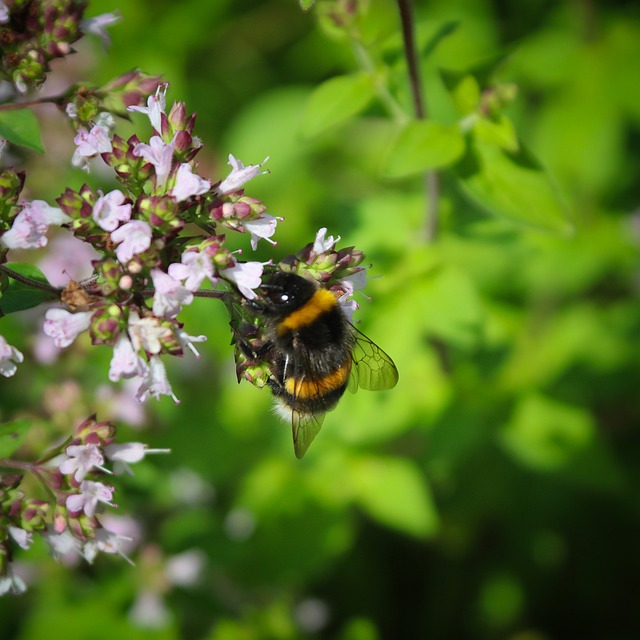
[31, 103]
[34, 284]
[432, 180]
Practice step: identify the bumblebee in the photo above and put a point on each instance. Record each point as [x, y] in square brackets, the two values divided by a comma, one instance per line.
[314, 354]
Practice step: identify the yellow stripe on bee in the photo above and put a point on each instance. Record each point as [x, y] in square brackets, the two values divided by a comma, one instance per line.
[320, 302]
[320, 386]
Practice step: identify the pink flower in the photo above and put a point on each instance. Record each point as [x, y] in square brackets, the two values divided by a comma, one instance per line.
[246, 275]
[21, 537]
[10, 357]
[107, 542]
[109, 210]
[156, 105]
[121, 404]
[159, 154]
[122, 455]
[239, 175]
[90, 144]
[147, 333]
[80, 459]
[322, 244]
[133, 238]
[262, 227]
[67, 257]
[188, 184]
[62, 545]
[169, 295]
[186, 341]
[64, 327]
[194, 267]
[10, 582]
[98, 25]
[125, 362]
[91, 493]
[31, 224]
[155, 382]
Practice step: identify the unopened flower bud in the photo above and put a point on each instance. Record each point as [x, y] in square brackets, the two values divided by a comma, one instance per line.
[106, 324]
[128, 90]
[90, 429]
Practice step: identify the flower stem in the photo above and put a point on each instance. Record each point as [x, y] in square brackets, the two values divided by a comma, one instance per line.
[16, 464]
[31, 103]
[385, 96]
[432, 180]
[34, 284]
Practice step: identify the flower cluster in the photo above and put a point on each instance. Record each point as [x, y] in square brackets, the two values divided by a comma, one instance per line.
[148, 269]
[74, 473]
[35, 32]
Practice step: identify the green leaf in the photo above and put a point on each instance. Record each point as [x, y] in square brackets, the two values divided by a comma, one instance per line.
[441, 33]
[21, 127]
[306, 4]
[545, 434]
[499, 132]
[18, 296]
[466, 95]
[335, 101]
[512, 185]
[423, 145]
[394, 492]
[451, 307]
[11, 436]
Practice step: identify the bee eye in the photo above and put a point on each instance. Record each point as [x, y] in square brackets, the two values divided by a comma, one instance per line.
[284, 298]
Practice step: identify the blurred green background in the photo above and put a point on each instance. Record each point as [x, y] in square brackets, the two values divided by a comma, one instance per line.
[494, 492]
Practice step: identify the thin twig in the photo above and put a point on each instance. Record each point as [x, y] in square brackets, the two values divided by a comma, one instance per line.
[31, 103]
[432, 180]
[34, 284]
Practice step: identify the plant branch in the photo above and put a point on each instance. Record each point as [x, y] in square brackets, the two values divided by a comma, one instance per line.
[432, 180]
[31, 103]
[34, 284]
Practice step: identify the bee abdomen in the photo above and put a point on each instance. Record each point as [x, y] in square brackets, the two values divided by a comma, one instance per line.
[316, 394]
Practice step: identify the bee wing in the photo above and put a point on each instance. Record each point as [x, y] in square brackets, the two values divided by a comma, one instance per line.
[372, 368]
[305, 427]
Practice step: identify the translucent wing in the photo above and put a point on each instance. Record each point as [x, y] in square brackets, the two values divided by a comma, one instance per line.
[372, 368]
[305, 428]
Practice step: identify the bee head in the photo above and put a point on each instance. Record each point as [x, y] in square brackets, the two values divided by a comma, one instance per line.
[285, 292]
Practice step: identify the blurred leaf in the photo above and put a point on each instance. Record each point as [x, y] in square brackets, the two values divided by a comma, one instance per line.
[512, 185]
[443, 31]
[305, 5]
[545, 434]
[423, 145]
[335, 101]
[11, 436]
[18, 296]
[481, 71]
[499, 132]
[451, 307]
[21, 127]
[359, 629]
[394, 492]
[466, 94]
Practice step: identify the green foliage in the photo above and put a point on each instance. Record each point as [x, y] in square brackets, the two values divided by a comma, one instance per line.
[335, 101]
[17, 296]
[20, 127]
[423, 145]
[491, 494]
[11, 436]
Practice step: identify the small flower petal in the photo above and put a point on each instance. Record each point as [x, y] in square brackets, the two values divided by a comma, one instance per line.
[132, 238]
[64, 326]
